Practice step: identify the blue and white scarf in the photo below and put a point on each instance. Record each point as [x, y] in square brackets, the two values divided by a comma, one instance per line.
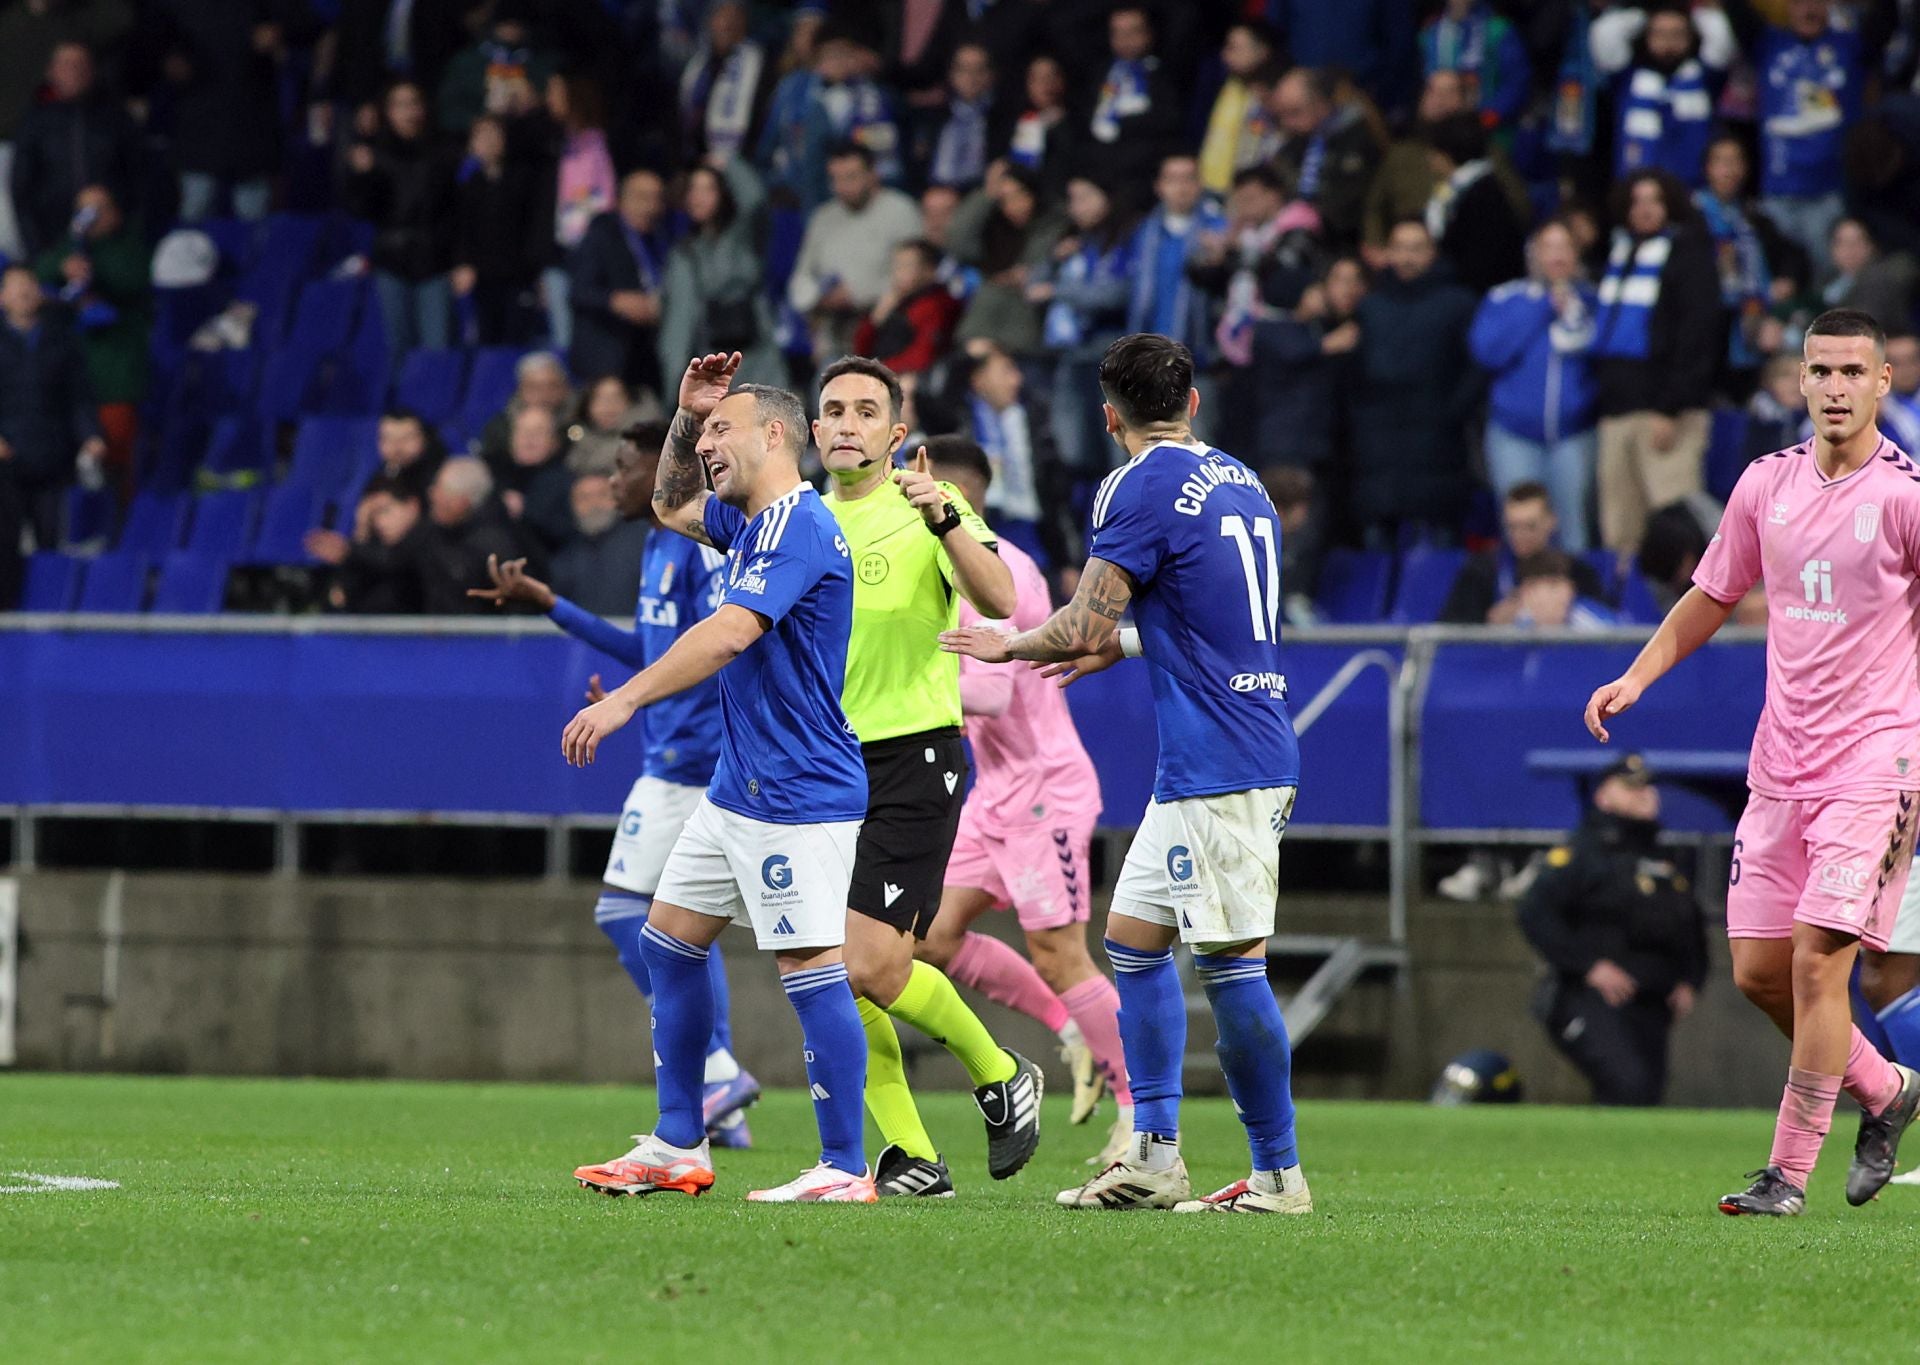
[1628, 295]
[960, 154]
[1124, 95]
[1665, 121]
[719, 96]
[1745, 281]
[1189, 311]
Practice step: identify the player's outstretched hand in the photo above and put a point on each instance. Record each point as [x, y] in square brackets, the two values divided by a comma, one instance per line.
[978, 642]
[581, 740]
[917, 486]
[706, 382]
[1070, 671]
[595, 692]
[512, 583]
[1608, 702]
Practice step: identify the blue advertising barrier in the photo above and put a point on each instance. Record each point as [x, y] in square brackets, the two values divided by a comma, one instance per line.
[315, 717]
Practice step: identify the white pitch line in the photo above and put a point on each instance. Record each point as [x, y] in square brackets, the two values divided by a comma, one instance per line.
[45, 1184]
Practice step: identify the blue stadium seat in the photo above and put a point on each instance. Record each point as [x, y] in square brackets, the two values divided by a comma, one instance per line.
[285, 259]
[322, 328]
[1606, 564]
[90, 515]
[223, 521]
[490, 384]
[354, 379]
[1637, 606]
[1426, 578]
[431, 383]
[115, 581]
[333, 455]
[53, 581]
[154, 525]
[192, 584]
[1353, 586]
[236, 455]
[292, 510]
[1726, 451]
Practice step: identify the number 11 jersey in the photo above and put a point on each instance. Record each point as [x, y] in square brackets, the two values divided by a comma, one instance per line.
[1200, 537]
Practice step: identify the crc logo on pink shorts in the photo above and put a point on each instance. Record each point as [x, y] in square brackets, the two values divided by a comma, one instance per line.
[1843, 879]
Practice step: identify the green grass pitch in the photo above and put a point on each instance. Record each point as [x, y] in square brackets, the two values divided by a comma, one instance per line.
[342, 1221]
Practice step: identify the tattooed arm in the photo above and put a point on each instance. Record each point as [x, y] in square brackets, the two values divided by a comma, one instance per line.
[1085, 626]
[680, 487]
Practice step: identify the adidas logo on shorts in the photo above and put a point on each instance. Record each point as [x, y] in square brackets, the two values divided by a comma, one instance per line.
[783, 925]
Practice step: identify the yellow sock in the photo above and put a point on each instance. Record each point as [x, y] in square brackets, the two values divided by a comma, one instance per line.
[932, 1005]
[888, 1098]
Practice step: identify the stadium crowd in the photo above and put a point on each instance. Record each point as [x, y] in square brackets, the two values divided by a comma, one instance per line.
[1437, 261]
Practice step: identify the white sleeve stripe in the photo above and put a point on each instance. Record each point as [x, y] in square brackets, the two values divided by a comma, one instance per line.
[1108, 486]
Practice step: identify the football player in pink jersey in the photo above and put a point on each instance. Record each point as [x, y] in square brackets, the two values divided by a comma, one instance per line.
[1831, 528]
[1023, 841]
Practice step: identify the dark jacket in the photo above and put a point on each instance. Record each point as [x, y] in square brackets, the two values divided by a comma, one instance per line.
[546, 514]
[498, 229]
[61, 148]
[116, 343]
[360, 70]
[604, 343]
[1131, 160]
[1346, 170]
[602, 573]
[1485, 238]
[409, 198]
[1416, 388]
[1487, 578]
[1612, 893]
[449, 560]
[1686, 339]
[1280, 410]
[46, 401]
[226, 119]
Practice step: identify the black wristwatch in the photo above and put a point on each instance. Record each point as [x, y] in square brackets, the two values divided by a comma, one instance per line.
[948, 524]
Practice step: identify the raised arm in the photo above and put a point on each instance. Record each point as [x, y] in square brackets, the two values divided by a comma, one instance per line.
[978, 572]
[680, 488]
[705, 648]
[1690, 624]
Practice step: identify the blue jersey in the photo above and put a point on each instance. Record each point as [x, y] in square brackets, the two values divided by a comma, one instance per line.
[680, 583]
[787, 754]
[1198, 533]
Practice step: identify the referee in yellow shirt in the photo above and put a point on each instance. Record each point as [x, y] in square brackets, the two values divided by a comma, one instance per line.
[917, 548]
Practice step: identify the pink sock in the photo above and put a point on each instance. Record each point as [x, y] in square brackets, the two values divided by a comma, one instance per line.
[1095, 1006]
[1871, 1079]
[1806, 1112]
[1006, 978]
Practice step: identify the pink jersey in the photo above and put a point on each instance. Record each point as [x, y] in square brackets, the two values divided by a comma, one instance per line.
[1838, 560]
[1029, 766]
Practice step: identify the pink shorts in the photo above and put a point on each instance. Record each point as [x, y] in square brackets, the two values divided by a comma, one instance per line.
[1040, 870]
[1840, 862]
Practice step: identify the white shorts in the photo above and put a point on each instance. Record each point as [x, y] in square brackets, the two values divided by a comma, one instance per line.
[650, 822]
[1905, 937]
[1208, 866]
[789, 882]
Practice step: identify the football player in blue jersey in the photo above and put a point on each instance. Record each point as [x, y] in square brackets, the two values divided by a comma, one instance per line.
[1187, 537]
[771, 844]
[681, 583]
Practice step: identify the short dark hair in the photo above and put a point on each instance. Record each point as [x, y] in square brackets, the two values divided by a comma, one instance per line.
[1530, 491]
[1460, 138]
[961, 452]
[928, 253]
[772, 404]
[646, 437]
[872, 369]
[1259, 30]
[392, 487]
[840, 151]
[1544, 564]
[1289, 485]
[405, 415]
[1672, 537]
[1147, 377]
[1848, 322]
[1264, 176]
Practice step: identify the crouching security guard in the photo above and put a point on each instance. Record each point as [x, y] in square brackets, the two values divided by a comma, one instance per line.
[1623, 939]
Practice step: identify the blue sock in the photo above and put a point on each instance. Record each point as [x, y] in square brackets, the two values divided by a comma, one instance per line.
[1255, 1054]
[682, 1024]
[836, 1061]
[1153, 1034]
[1865, 1018]
[722, 1002]
[1900, 1022]
[621, 915]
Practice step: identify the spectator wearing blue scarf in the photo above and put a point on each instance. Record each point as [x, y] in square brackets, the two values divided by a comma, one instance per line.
[835, 102]
[1137, 119]
[1746, 246]
[1468, 37]
[1667, 68]
[1086, 292]
[1163, 300]
[1657, 346]
[619, 271]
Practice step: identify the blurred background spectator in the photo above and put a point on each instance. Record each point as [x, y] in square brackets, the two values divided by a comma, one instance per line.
[402, 183]
[714, 299]
[75, 136]
[599, 567]
[615, 283]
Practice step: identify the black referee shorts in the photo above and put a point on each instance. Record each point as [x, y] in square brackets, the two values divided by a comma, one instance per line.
[916, 785]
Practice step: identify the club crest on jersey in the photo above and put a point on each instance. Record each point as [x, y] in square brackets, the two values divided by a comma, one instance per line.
[1779, 517]
[1866, 523]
